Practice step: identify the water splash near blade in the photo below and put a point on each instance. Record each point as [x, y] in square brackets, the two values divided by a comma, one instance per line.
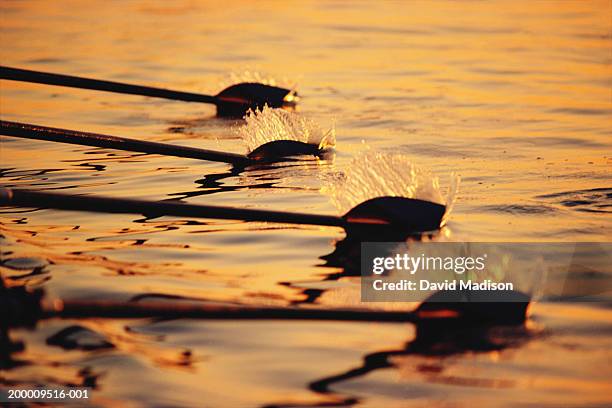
[257, 76]
[267, 125]
[451, 195]
[377, 174]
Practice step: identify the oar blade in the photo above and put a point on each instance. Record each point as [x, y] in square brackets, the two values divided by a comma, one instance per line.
[279, 149]
[236, 100]
[397, 214]
[488, 307]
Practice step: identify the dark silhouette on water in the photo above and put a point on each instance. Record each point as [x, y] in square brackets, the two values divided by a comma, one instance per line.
[433, 340]
[277, 150]
[234, 101]
[347, 256]
[381, 215]
[446, 323]
[493, 326]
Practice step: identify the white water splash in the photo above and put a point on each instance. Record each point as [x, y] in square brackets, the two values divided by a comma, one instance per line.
[375, 174]
[267, 125]
[257, 76]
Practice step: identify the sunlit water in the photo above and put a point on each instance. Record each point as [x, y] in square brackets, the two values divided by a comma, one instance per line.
[513, 97]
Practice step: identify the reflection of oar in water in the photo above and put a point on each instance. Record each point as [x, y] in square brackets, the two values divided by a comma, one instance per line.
[22, 307]
[379, 215]
[270, 151]
[436, 337]
[233, 101]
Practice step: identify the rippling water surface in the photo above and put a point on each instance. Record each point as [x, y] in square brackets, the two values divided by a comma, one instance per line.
[514, 97]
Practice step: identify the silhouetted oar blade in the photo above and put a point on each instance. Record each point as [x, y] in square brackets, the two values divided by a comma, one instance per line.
[479, 307]
[276, 149]
[236, 100]
[400, 213]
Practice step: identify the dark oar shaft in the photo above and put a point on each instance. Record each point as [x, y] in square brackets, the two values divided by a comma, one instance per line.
[36, 199]
[29, 131]
[75, 309]
[25, 75]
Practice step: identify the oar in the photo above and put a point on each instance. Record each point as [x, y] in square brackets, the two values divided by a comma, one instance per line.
[233, 101]
[23, 307]
[267, 152]
[382, 214]
[500, 307]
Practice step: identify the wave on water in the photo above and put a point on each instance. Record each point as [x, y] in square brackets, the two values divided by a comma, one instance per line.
[595, 200]
[268, 124]
[376, 174]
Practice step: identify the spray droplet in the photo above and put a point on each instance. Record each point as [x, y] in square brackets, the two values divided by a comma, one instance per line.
[376, 174]
[267, 125]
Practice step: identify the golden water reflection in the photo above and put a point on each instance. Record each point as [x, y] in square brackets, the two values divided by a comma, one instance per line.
[515, 97]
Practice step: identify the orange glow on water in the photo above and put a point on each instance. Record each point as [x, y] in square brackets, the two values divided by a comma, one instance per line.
[514, 96]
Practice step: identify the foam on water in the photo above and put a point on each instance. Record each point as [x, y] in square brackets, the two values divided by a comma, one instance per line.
[267, 125]
[376, 174]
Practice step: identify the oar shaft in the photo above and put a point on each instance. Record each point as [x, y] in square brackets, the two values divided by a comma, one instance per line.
[77, 309]
[37, 199]
[29, 131]
[26, 75]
